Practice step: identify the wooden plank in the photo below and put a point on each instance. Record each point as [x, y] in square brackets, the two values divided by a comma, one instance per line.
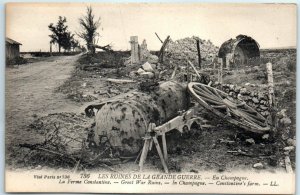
[174, 123]
[199, 53]
[164, 143]
[270, 83]
[174, 72]
[221, 73]
[163, 162]
[162, 50]
[144, 153]
[158, 37]
[192, 65]
[288, 165]
[120, 81]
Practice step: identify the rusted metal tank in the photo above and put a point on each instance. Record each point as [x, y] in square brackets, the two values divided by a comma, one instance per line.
[124, 120]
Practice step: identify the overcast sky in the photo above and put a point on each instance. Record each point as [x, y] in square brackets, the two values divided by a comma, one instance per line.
[270, 25]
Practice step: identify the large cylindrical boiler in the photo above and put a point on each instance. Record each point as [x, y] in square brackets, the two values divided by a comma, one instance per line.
[124, 120]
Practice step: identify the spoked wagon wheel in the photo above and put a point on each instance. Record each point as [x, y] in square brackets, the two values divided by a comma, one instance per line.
[234, 111]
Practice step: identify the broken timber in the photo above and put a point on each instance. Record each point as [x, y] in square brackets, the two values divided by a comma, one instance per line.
[162, 50]
[159, 38]
[181, 123]
[199, 54]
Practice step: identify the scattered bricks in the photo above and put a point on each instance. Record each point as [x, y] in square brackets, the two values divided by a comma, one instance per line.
[281, 114]
[285, 133]
[263, 102]
[250, 141]
[237, 89]
[285, 121]
[231, 94]
[147, 75]
[147, 67]
[186, 49]
[258, 166]
[140, 71]
[262, 107]
[240, 97]
[265, 136]
[289, 148]
[255, 100]
[261, 96]
[291, 142]
[243, 91]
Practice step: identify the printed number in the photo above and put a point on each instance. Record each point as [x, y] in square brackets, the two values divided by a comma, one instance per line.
[84, 176]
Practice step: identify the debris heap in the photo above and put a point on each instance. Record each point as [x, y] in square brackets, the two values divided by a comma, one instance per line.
[177, 52]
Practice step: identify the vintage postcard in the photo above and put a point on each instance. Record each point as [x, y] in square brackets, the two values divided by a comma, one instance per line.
[150, 98]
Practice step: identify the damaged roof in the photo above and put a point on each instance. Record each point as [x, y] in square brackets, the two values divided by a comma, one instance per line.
[13, 42]
[245, 42]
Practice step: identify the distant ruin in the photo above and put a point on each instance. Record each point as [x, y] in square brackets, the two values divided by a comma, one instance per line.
[238, 52]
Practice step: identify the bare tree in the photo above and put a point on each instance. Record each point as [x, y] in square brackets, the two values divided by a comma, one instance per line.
[89, 26]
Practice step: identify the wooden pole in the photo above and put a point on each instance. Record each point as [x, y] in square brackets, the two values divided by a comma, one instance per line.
[158, 37]
[272, 105]
[192, 65]
[221, 73]
[270, 83]
[163, 162]
[164, 143]
[162, 49]
[144, 153]
[199, 53]
[174, 72]
[288, 165]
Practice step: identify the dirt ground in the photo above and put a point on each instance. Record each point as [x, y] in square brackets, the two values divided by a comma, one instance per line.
[30, 94]
[42, 93]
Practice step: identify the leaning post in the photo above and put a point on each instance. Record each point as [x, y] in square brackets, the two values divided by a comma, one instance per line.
[271, 96]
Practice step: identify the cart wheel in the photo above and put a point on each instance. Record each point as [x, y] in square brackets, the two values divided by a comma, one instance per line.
[232, 110]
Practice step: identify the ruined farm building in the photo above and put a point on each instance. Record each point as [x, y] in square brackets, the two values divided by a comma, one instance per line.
[238, 52]
[12, 48]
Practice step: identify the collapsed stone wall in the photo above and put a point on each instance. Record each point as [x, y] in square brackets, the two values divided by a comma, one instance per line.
[254, 97]
[177, 52]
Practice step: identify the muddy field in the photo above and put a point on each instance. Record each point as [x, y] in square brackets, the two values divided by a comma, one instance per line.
[48, 95]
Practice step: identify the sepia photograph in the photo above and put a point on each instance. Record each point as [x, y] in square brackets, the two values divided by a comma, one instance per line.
[150, 97]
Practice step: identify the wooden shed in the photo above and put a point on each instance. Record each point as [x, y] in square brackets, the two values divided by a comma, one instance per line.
[12, 48]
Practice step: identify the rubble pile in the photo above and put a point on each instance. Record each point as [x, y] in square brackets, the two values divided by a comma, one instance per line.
[177, 52]
[257, 100]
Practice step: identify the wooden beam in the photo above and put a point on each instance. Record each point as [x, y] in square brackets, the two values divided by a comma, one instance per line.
[163, 162]
[164, 143]
[162, 49]
[199, 53]
[158, 38]
[192, 65]
[144, 153]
